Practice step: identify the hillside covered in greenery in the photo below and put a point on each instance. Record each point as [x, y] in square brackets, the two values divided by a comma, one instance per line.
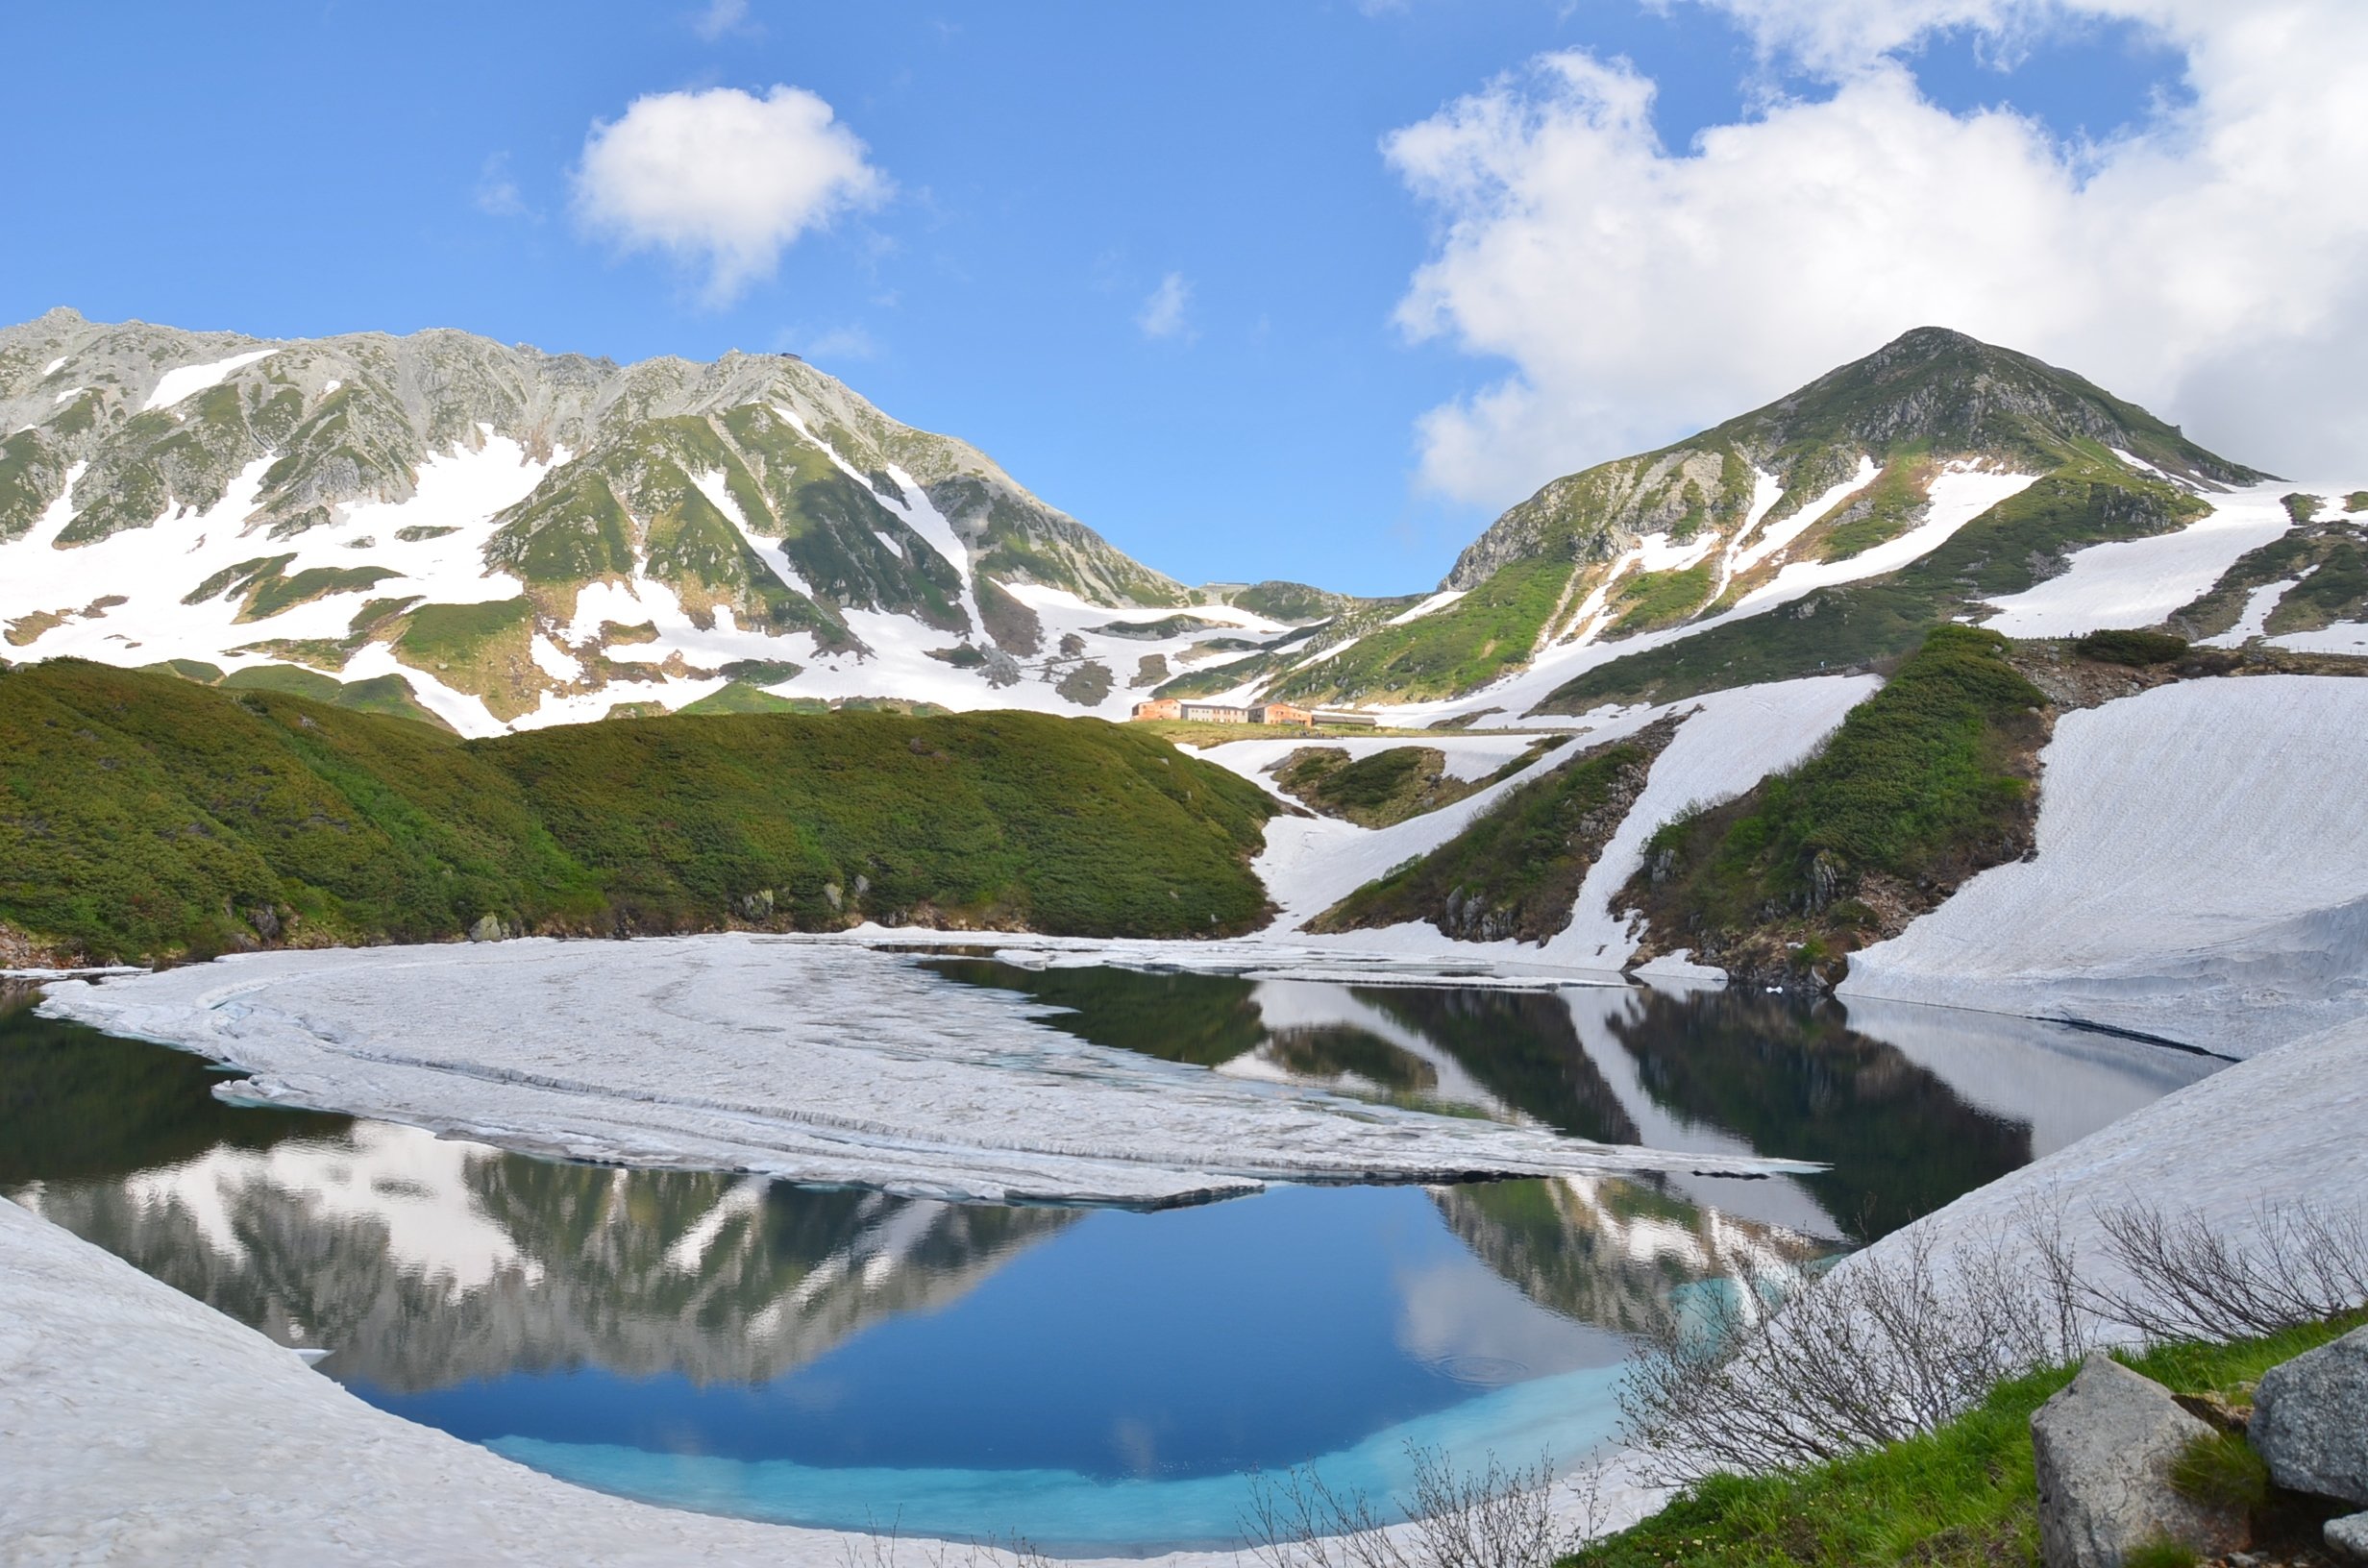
[143, 816]
[1930, 780]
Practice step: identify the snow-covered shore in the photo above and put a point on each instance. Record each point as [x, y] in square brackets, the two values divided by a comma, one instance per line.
[831, 1063]
[2199, 876]
[2285, 1127]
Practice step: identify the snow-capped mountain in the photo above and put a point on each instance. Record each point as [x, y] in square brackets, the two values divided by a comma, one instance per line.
[522, 538]
[500, 538]
[1864, 472]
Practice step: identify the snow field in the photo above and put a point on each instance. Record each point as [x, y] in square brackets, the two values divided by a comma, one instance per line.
[2283, 1128]
[2136, 582]
[188, 380]
[2199, 876]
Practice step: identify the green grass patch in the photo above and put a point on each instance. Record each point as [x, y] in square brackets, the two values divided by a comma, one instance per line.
[739, 696]
[1891, 506]
[2220, 1470]
[270, 596]
[1472, 642]
[142, 816]
[454, 633]
[761, 672]
[1658, 598]
[1964, 1496]
[1374, 789]
[1294, 602]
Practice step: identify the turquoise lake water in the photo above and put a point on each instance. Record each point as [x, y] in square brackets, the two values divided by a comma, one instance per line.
[1093, 1380]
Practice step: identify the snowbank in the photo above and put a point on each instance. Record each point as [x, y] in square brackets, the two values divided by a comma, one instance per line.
[138, 1425]
[2285, 1126]
[2199, 876]
[816, 1063]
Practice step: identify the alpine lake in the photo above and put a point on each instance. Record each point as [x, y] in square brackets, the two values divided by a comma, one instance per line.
[1095, 1381]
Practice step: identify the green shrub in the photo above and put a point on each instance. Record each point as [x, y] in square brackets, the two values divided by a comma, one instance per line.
[1963, 1496]
[2161, 1553]
[2135, 649]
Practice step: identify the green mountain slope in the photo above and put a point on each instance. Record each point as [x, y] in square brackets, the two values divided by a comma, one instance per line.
[1863, 445]
[2014, 546]
[144, 816]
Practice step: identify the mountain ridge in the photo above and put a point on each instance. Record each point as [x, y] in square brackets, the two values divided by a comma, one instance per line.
[520, 538]
[513, 533]
[1908, 443]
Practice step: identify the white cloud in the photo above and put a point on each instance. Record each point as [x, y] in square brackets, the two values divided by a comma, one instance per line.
[841, 343]
[722, 16]
[497, 193]
[1163, 313]
[722, 178]
[2211, 263]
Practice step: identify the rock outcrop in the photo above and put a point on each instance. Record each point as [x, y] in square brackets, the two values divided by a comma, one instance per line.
[2310, 1420]
[2105, 1445]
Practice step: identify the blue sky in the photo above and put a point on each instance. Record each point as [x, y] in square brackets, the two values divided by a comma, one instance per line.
[288, 170]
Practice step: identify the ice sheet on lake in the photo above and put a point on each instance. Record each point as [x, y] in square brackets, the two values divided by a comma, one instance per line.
[813, 1062]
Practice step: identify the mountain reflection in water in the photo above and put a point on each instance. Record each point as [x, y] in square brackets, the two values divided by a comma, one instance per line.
[1912, 1107]
[580, 1312]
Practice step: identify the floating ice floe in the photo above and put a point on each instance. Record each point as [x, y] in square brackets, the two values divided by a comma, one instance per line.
[811, 1061]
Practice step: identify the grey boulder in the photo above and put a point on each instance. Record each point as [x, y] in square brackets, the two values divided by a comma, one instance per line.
[2348, 1537]
[2103, 1446]
[2310, 1420]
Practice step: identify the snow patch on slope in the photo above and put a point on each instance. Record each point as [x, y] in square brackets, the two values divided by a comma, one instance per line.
[1799, 523]
[2255, 618]
[188, 380]
[1738, 738]
[1958, 496]
[2200, 875]
[1437, 601]
[2137, 582]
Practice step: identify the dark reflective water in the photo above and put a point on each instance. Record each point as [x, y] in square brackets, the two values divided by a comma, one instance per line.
[1088, 1377]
